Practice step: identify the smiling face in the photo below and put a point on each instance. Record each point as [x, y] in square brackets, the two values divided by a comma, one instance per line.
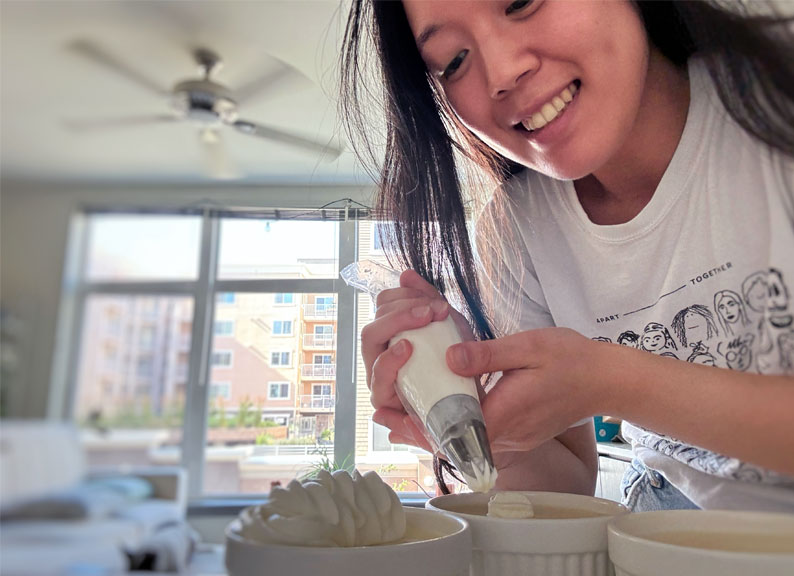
[653, 340]
[505, 67]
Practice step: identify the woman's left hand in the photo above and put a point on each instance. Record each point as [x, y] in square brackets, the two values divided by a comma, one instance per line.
[551, 380]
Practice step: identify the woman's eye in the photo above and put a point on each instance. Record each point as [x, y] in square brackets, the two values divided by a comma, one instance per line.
[517, 6]
[455, 64]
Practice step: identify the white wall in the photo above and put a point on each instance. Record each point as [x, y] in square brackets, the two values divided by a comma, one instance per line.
[34, 228]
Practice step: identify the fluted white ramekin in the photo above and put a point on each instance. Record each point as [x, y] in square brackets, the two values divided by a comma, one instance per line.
[534, 546]
[443, 550]
[636, 551]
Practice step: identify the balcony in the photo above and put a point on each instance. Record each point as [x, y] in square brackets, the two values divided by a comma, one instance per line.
[317, 402]
[319, 311]
[319, 341]
[318, 371]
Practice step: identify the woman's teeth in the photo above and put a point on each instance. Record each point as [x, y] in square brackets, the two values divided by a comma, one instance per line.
[550, 110]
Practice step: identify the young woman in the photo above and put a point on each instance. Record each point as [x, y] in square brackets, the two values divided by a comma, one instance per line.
[644, 158]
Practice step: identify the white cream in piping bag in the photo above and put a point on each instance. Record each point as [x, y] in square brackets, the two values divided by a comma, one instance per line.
[332, 510]
[426, 379]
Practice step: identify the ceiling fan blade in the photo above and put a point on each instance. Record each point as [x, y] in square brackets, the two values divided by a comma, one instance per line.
[331, 150]
[283, 78]
[97, 124]
[100, 56]
[216, 160]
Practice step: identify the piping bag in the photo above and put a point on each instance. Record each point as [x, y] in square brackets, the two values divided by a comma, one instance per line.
[443, 405]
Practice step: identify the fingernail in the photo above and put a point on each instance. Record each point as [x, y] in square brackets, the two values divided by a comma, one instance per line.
[420, 311]
[459, 356]
[438, 306]
[399, 348]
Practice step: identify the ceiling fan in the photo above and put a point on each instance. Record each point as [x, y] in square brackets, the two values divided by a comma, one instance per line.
[205, 103]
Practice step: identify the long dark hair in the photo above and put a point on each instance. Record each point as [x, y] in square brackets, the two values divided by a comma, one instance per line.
[749, 56]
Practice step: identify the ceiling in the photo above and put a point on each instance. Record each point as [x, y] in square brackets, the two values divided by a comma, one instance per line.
[45, 84]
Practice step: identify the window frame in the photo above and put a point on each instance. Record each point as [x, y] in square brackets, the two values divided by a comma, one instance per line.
[204, 292]
[218, 384]
[283, 303]
[222, 351]
[281, 353]
[281, 384]
[281, 324]
[229, 323]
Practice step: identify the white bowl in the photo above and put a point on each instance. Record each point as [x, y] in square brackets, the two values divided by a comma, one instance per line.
[443, 549]
[536, 546]
[636, 549]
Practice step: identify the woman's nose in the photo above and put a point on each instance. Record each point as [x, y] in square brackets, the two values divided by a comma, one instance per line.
[506, 65]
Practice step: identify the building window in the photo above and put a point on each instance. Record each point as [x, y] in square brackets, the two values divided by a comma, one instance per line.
[322, 359]
[378, 228]
[324, 303]
[282, 327]
[226, 298]
[280, 358]
[221, 390]
[282, 298]
[324, 329]
[278, 390]
[321, 390]
[224, 327]
[222, 358]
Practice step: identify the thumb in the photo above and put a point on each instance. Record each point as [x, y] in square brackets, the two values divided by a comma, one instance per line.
[499, 355]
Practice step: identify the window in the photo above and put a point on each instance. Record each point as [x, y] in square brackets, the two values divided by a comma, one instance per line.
[324, 303]
[282, 327]
[280, 359]
[222, 358]
[284, 298]
[122, 246]
[322, 359]
[252, 248]
[226, 298]
[143, 364]
[377, 230]
[146, 337]
[276, 390]
[321, 390]
[221, 390]
[224, 327]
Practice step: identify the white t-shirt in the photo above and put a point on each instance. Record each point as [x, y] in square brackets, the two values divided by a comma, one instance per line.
[701, 274]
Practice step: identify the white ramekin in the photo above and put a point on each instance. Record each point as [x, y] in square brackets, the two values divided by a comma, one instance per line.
[446, 552]
[533, 546]
[635, 552]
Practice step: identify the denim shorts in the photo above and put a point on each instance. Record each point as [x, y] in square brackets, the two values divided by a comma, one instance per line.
[645, 490]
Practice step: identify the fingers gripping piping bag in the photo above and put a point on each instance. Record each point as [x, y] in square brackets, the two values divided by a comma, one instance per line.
[443, 405]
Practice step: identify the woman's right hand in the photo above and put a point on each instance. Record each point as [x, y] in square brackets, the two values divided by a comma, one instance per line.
[414, 304]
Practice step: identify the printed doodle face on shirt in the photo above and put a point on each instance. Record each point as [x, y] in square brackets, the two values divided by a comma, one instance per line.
[730, 311]
[656, 339]
[738, 352]
[694, 325]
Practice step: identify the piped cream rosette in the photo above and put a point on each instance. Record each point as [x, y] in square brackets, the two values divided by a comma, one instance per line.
[330, 510]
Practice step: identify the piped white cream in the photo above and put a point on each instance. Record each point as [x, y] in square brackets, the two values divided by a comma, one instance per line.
[510, 505]
[331, 510]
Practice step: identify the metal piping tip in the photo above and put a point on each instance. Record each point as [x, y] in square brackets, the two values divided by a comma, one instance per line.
[456, 424]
